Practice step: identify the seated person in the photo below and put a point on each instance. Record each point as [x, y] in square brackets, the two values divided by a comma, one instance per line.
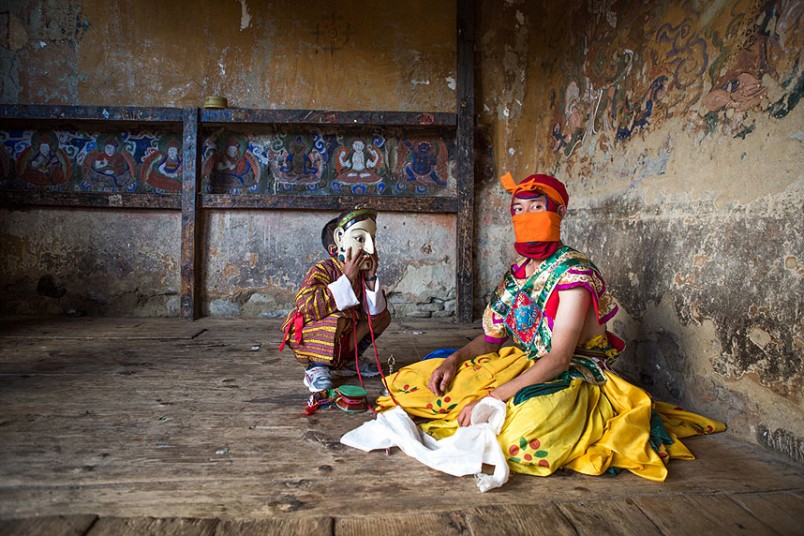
[565, 407]
[340, 307]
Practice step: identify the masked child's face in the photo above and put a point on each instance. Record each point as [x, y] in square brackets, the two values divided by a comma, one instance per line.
[359, 237]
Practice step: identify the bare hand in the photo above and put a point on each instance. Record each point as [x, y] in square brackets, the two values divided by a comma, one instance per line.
[465, 417]
[442, 377]
[351, 265]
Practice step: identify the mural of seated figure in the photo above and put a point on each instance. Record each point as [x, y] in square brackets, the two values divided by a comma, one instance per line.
[109, 168]
[233, 171]
[161, 168]
[422, 165]
[44, 165]
[357, 166]
[295, 166]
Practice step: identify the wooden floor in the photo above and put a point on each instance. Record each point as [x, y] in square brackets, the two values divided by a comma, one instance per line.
[149, 426]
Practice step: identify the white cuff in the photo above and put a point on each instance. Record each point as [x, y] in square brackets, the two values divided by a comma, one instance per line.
[343, 293]
[375, 300]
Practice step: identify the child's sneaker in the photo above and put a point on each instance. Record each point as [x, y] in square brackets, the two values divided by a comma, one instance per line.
[316, 378]
[367, 369]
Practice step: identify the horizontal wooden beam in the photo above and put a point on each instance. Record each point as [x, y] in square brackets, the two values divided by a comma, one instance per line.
[90, 113]
[89, 200]
[441, 205]
[326, 117]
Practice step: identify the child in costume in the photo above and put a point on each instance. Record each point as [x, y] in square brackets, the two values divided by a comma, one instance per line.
[564, 406]
[340, 306]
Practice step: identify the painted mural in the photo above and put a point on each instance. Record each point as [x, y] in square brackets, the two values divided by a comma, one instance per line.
[161, 166]
[79, 161]
[723, 69]
[310, 162]
[316, 163]
[43, 164]
[229, 166]
[422, 165]
[109, 167]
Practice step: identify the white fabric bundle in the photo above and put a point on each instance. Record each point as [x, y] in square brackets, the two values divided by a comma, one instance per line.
[462, 453]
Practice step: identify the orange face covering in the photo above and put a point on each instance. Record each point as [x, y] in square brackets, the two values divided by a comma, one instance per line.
[537, 227]
[538, 234]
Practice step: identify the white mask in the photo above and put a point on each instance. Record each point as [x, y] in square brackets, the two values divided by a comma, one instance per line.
[359, 236]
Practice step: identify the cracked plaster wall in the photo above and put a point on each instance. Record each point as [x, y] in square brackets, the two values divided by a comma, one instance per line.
[52, 264]
[677, 129]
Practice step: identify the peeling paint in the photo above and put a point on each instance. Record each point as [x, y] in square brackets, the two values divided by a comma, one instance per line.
[791, 263]
[782, 442]
[245, 16]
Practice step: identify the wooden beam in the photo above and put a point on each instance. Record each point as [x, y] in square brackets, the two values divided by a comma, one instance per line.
[465, 158]
[31, 112]
[191, 156]
[324, 117]
[16, 199]
[439, 205]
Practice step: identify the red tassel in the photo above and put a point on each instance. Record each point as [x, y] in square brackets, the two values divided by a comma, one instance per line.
[297, 323]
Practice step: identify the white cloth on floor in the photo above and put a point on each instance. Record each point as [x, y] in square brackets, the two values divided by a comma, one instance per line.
[462, 453]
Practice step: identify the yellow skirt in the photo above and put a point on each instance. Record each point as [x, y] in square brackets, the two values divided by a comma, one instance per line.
[582, 426]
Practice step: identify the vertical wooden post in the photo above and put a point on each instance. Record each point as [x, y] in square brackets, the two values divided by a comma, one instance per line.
[465, 164]
[189, 225]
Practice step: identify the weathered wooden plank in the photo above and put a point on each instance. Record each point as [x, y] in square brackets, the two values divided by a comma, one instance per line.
[438, 205]
[141, 427]
[277, 527]
[327, 117]
[90, 200]
[36, 526]
[465, 159]
[391, 525]
[607, 517]
[138, 526]
[684, 514]
[90, 113]
[540, 517]
[190, 228]
[783, 511]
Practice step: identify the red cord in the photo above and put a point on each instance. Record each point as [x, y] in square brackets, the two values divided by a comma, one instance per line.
[376, 355]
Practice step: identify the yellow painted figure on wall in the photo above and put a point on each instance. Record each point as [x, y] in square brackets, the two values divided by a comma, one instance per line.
[565, 406]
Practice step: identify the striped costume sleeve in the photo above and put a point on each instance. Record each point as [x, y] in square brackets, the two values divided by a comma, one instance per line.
[314, 300]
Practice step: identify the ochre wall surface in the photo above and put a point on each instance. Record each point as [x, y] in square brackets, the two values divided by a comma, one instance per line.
[675, 125]
[677, 129]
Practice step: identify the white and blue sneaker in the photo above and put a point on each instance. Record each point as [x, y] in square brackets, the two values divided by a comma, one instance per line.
[367, 369]
[316, 378]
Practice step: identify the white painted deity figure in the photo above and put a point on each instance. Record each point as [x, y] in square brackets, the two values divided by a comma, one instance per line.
[359, 163]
